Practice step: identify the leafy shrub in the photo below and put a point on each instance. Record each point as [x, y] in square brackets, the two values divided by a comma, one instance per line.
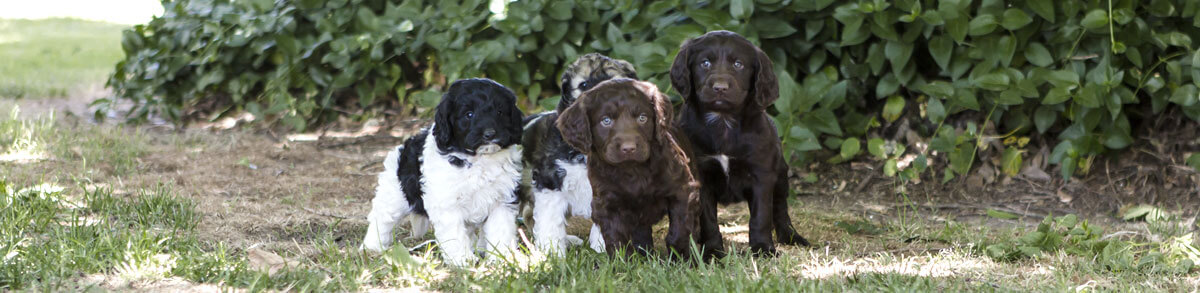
[1081, 72]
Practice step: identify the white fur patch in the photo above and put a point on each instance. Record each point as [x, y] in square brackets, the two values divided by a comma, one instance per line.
[388, 207]
[468, 207]
[724, 160]
[551, 207]
[535, 120]
[718, 119]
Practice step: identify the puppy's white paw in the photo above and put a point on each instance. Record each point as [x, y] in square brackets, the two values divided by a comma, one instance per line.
[596, 240]
[574, 240]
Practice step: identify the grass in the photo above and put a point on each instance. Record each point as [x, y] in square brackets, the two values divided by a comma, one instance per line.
[55, 57]
[60, 232]
[111, 150]
[50, 240]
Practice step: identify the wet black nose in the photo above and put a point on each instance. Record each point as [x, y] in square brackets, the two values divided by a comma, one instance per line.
[489, 134]
[720, 87]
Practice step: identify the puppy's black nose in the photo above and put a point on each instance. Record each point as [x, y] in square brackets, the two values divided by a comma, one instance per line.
[720, 87]
[489, 134]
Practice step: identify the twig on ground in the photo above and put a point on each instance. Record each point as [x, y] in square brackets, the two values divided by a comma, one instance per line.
[864, 183]
[524, 239]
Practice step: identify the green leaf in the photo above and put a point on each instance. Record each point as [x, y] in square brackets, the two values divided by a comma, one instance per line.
[898, 53]
[982, 25]
[958, 28]
[1044, 117]
[1095, 19]
[935, 110]
[1067, 168]
[997, 81]
[741, 9]
[966, 99]
[803, 139]
[940, 89]
[772, 27]
[1010, 97]
[614, 34]
[890, 167]
[1011, 161]
[824, 121]
[941, 48]
[850, 148]
[893, 108]
[1037, 54]
[1184, 95]
[560, 10]
[1149, 212]
[1001, 214]
[875, 147]
[1057, 95]
[1015, 19]
[1088, 96]
[1043, 8]
[1194, 161]
[1063, 78]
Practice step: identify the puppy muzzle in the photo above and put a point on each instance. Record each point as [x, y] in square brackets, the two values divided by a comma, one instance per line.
[488, 149]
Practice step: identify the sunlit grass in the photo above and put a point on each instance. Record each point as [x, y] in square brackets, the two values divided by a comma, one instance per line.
[56, 57]
[25, 141]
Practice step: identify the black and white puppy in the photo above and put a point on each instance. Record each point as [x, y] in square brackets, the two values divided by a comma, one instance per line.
[559, 182]
[462, 173]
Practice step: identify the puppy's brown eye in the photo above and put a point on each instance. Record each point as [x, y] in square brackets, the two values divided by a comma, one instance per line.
[606, 121]
[738, 64]
[705, 64]
[643, 119]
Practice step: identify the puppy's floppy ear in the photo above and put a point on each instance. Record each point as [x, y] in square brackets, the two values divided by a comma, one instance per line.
[766, 86]
[575, 126]
[666, 117]
[515, 115]
[681, 71]
[625, 68]
[443, 131]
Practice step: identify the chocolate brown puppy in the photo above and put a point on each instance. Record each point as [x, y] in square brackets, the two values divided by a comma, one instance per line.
[637, 164]
[727, 84]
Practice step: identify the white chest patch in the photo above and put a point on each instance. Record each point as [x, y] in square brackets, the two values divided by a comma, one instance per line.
[576, 188]
[724, 160]
[718, 119]
[484, 182]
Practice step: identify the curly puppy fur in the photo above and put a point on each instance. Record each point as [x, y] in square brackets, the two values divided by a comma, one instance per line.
[558, 173]
[727, 84]
[462, 173]
[638, 167]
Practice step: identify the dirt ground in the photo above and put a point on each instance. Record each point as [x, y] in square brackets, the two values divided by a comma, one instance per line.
[260, 188]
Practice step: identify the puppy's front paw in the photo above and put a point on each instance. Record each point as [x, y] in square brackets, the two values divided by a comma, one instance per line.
[461, 261]
[793, 239]
[763, 249]
[574, 240]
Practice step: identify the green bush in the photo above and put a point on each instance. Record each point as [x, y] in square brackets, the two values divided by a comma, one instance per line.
[1081, 74]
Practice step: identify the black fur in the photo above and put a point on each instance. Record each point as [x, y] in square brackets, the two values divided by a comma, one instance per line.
[458, 132]
[545, 146]
[493, 107]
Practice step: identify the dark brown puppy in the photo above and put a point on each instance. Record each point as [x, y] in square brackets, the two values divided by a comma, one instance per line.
[727, 83]
[637, 165]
